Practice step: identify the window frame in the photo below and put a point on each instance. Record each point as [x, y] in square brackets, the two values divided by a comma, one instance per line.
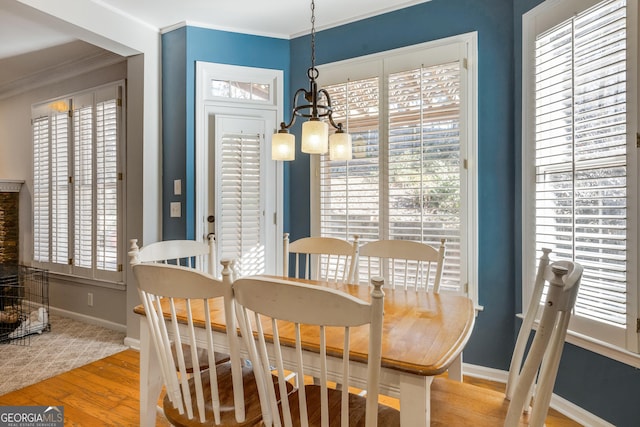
[71, 272]
[460, 47]
[536, 21]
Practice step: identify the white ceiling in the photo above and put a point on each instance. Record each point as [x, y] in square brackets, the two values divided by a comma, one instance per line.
[19, 35]
[28, 44]
[277, 18]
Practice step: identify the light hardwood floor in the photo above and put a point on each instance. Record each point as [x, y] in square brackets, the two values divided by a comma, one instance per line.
[105, 393]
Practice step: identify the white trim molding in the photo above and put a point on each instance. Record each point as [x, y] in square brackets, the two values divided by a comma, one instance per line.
[10, 185]
[89, 319]
[558, 403]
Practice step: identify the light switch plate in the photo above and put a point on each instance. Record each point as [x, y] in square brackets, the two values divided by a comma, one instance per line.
[177, 187]
[176, 209]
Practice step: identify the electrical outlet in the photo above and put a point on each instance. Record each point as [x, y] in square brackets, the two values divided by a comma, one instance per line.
[175, 209]
[90, 299]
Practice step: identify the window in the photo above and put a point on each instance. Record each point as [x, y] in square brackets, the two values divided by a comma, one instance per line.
[411, 116]
[240, 90]
[579, 165]
[77, 200]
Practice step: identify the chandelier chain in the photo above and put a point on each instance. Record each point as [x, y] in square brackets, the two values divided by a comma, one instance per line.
[313, 34]
[314, 104]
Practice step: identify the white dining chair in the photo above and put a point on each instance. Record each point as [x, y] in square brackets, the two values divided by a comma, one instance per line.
[406, 264]
[267, 306]
[223, 393]
[403, 263]
[189, 253]
[200, 256]
[530, 377]
[321, 258]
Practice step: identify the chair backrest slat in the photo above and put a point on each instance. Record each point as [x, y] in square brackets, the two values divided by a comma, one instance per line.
[527, 324]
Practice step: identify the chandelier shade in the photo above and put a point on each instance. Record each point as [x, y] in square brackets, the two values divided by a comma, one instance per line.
[318, 109]
[340, 146]
[315, 137]
[283, 146]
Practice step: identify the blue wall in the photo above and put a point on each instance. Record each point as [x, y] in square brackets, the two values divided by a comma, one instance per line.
[604, 387]
[181, 49]
[492, 339]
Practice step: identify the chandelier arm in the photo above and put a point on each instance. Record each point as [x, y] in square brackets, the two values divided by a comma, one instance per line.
[295, 113]
[329, 109]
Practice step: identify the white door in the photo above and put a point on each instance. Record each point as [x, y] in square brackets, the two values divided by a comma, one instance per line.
[238, 187]
[241, 206]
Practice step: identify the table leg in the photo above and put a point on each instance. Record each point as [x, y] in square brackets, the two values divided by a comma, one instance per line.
[415, 400]
[455, 370]
[150, 377]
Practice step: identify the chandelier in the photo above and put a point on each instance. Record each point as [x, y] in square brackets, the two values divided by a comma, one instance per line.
[316, 107]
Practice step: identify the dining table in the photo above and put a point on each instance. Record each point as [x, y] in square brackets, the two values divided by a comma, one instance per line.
[424, 335]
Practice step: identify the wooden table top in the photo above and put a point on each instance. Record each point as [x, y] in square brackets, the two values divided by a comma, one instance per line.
[422, 332]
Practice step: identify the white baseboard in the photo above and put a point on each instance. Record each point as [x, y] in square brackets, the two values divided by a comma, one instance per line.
[89, 319]
[133, 343]
[558, 403]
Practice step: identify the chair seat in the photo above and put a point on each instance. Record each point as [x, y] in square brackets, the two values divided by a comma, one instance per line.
[462, 404]
[203, 357]
[225, 390]
[387, 416]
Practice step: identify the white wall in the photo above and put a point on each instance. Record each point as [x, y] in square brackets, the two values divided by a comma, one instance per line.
[98, 25]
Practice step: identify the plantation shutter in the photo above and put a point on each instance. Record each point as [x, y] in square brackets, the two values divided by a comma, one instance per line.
[83, 121]
[240, 235]
[41, 189]
[60, 192]
[424, 160]
[107, 185]
[581, 161]
[407, 184]
[349, 190]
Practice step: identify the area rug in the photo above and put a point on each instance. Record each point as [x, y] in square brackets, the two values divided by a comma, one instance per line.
[68, 345]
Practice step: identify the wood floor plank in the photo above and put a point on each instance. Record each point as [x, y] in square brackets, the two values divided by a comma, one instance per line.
[106, 393]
